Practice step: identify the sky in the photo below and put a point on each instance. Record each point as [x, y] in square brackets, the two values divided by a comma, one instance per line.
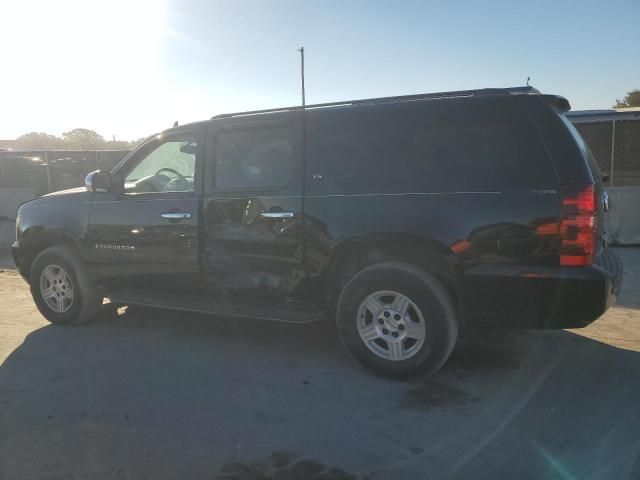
[129, 68]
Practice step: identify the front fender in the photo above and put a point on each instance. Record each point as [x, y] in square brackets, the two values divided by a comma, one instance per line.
[44, 223]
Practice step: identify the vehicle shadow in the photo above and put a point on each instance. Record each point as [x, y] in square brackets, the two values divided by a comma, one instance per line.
[154, 394]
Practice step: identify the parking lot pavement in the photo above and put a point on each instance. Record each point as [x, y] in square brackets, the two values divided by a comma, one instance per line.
[7, 236]
[157, 395]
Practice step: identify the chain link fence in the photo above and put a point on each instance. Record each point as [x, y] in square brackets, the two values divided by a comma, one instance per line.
[48, 171]
[626, 168]
[616, 146]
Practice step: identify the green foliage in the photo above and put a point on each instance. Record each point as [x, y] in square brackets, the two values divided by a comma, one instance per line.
[631, 99]
[83, 139]
[39, 141]
[76, 139]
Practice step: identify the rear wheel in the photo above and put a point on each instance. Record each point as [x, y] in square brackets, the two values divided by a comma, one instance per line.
[61, 287]
[397, 320]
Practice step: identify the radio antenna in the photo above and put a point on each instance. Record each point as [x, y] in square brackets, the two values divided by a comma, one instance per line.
[301, 50]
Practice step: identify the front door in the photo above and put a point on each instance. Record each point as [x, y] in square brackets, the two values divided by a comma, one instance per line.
[146, 236]
[253, 210]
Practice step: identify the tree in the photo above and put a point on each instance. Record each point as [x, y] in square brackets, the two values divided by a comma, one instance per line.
[631, 99]
[76, 139]
[83, 139]
[38, 141]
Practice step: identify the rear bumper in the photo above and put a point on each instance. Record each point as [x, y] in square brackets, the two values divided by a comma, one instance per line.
[508, 296]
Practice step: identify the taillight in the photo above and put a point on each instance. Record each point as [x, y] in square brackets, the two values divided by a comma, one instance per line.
[578, 227]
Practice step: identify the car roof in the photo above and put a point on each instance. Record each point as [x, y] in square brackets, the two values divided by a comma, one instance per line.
[458, 94]
[558, 101]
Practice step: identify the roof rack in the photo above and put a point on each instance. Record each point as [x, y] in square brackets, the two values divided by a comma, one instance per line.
[403, 98]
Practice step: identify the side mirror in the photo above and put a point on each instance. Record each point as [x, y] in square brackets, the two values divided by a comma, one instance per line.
[605, 178]
[98, 181]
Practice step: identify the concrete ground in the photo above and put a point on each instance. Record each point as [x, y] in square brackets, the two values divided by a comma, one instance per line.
[166, 395]
[7, 236]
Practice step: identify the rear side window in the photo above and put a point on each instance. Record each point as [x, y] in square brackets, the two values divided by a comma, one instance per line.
[253, 158]
[438, 146]
[472, 157]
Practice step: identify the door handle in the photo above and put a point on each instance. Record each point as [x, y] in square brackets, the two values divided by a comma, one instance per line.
[277, 214]
[176, 215]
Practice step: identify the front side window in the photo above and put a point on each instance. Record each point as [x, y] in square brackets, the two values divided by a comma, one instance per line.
[253, 159]
[169, 167]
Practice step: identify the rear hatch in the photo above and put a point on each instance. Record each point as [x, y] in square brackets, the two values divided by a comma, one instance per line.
[595, 203]
[580, 186]
[594, 180]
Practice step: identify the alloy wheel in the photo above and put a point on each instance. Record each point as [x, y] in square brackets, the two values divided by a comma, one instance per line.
[56, 288]
[391, 325]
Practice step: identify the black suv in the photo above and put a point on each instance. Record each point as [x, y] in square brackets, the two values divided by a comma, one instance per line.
[405, 218]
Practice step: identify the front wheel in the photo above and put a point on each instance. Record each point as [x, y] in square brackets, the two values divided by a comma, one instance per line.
[61, 287]
[397, 320]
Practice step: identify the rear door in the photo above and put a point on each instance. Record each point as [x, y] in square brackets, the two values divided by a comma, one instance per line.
[253, 210]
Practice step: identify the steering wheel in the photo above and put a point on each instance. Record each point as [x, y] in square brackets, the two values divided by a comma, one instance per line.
[167, 169]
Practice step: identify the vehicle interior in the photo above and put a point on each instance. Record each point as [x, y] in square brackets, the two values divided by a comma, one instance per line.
[168, 168]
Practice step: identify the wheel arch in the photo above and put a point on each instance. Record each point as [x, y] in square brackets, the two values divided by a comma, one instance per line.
[37, 239]
[351, 255]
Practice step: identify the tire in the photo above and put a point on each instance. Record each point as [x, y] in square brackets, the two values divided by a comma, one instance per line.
[429, 311]
[58, 270]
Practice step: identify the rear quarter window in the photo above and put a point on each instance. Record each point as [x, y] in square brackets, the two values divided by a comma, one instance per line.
[439, 146]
